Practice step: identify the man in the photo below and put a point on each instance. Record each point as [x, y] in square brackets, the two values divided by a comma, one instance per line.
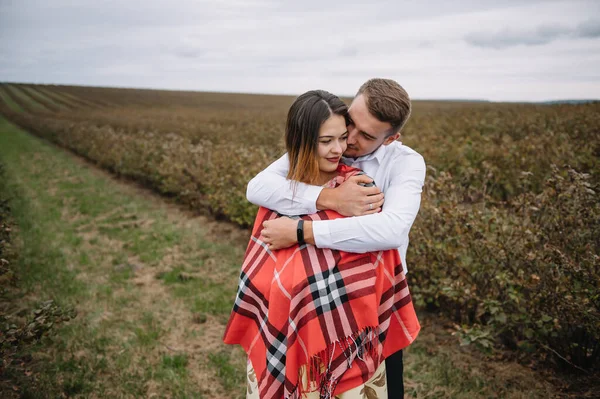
[377, 114]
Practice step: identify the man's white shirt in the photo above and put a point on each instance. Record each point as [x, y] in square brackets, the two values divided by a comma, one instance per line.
[397, 170]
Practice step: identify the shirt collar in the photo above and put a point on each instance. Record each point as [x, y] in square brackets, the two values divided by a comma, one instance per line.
[377, 155]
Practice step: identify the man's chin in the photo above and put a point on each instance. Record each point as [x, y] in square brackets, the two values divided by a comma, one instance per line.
[351, 153]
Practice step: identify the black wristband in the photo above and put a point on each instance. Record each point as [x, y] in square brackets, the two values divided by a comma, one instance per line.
[300, 232]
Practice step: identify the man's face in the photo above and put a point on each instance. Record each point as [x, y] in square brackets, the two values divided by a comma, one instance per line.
[366, 133]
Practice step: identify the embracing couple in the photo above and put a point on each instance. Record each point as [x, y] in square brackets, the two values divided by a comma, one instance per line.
[323, 308]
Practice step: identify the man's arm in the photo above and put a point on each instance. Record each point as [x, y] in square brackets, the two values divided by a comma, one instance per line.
[271, 189]
[380, 231]
[385, 230]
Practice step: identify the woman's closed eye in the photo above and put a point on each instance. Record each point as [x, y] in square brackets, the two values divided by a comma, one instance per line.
[327, 141]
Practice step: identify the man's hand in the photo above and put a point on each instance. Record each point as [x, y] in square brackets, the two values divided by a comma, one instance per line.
[351, 199]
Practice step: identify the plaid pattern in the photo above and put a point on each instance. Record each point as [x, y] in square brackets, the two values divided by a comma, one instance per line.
[332, 315]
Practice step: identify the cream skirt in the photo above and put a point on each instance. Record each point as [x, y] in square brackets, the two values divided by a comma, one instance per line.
[375, 388]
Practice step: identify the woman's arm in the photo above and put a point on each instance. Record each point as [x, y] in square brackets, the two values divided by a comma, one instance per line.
[271, 189]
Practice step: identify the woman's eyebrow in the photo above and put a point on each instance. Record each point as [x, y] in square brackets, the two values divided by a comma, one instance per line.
[331, 136]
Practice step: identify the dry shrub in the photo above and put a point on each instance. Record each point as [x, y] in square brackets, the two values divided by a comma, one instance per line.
[525, 271]
[203, 174]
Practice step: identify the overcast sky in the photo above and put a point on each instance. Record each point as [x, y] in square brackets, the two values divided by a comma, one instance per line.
[501, 50]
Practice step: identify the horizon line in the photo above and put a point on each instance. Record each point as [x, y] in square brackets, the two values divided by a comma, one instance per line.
[454, 99]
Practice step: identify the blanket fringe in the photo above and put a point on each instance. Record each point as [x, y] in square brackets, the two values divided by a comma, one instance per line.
[319, 375]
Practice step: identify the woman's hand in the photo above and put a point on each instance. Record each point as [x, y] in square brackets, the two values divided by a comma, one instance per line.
[281, 233]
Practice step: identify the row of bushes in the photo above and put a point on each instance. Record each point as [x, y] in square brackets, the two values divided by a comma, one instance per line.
[203, 175]
[7, 277]
[19, 331]
[526, 271]
[484, 146]
[506, 241]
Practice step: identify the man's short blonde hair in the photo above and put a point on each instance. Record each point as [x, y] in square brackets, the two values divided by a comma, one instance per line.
[387, 101]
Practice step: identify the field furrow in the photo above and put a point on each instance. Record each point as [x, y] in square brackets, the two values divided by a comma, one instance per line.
[55, 97]
[40, 98]
[7, 100]
[17, 99]
[80, 102]
[24, 96]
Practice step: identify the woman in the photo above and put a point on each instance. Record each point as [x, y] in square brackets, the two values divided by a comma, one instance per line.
[318, 322]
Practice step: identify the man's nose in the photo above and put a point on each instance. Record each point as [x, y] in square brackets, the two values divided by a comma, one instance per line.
[352, 135]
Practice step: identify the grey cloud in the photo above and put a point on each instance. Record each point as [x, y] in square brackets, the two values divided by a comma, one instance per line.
[348, 51]
[397, 10]
[189, 53]
[543, 34]
[507, 38]
[288, 46]
[110, 14]
[589, 29]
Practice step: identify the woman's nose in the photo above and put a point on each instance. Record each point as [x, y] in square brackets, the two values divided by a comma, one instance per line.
[337, 148]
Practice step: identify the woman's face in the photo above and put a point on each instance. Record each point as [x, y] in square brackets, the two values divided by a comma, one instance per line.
[332, 143]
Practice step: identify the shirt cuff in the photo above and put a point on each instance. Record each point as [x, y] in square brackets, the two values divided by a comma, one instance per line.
[310, 195]
[321, 234]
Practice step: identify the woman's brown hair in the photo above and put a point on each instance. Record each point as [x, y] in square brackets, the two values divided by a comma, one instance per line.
[305, 117]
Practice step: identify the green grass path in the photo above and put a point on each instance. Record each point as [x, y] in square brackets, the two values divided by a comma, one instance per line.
[152, 291]
[153, 287]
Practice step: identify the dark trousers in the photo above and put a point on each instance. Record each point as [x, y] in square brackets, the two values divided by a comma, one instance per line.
[394, 371]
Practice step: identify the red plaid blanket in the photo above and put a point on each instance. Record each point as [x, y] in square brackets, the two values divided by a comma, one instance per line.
[318, 319]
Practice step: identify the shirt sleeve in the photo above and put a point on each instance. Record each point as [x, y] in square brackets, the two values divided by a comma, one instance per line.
[381, 231]
[271, 189]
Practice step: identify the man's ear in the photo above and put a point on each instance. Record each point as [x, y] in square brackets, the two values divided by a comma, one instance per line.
[391, 138]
